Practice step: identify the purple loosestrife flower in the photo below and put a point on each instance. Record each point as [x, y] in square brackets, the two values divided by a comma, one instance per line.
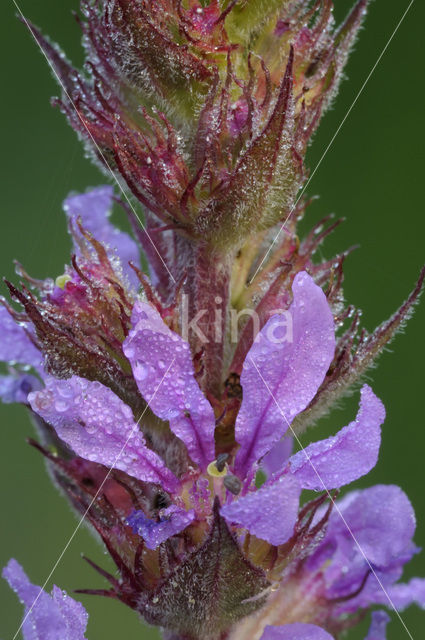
[167, 403]
[54, 616]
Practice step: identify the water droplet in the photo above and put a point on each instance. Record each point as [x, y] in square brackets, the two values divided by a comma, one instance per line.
[91, 428]
[61, 406]
[140, 370]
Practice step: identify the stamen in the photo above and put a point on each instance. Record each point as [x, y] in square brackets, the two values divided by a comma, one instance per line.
[62, 280]
[221, 461]
[232, 484]
[218, 468]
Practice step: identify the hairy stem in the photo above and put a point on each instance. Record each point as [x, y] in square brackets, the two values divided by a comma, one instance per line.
[207, 309]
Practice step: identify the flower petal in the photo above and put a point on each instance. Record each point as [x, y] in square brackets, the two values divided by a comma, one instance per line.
[173, 520]
[296, 631]
[15, 345]
[274, 460]
[404, 594]
[378, 627]
[348, 455]
[158, 355]
[382, 520]
[269, 513]
[98, 426]
[371, 528]
[16, 388]
[94, 208]
[55, 617]
[283, 370]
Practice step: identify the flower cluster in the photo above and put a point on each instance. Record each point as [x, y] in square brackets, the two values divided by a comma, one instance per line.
[182, 511]
[177, 446]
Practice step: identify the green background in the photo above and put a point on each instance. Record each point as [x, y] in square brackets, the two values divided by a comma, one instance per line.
[373, 175]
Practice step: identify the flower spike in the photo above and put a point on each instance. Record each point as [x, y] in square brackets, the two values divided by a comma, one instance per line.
[168, 376]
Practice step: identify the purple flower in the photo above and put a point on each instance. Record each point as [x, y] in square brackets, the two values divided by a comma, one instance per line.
[358, 562]
[367, 543]
[15, 388]
[163, 369]
[99, 427]
[175, 440]
[94, 209]
[46, 617]
[295, 631]
[269, 513]
[378, 627]
[18, 350]
[278, 376]
[172, 520]
[16, 345]
[281, 375]
[279, 379]
[352, 453]
[299, 631]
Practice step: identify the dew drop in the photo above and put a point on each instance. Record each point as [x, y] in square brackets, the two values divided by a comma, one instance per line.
[61, 405]
[140, 370]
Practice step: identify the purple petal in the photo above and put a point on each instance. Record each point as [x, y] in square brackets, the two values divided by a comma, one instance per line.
[94, 208]
[98, 426]
[55, 617]
[15, 345]
[163, 369]
[16, 388]
[269, 513]
[350, 454]
[283, 370]
[297, 631]
[368, 529]
[382, 521]
[275, 459]
[173, 520]
[403, 595]
[378, 627]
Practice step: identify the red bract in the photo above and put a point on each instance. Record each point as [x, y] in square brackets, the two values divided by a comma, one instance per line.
[167, 402]
[205, 119]
[205, 113]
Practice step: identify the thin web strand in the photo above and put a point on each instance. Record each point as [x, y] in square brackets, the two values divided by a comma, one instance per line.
[334, 504]
[264, 258]
[136, 426]
[27, 24]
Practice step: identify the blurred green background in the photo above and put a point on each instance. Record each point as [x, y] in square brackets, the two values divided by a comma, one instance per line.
[373, 175]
